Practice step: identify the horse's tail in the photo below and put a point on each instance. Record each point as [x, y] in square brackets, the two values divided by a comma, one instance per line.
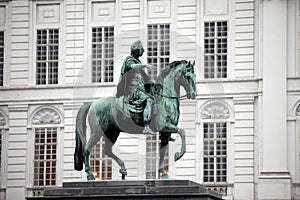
[80, 136]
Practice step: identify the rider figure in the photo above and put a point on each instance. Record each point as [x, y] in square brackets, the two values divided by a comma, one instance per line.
[132, 85]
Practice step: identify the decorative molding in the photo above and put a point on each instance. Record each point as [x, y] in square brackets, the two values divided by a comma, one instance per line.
[46, 116]
[215, 110]
[103, 11]
[159, 9]
[297, 112]
[2, 120]
[48, 13]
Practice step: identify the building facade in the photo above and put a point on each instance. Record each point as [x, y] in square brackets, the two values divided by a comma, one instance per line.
[242, 130]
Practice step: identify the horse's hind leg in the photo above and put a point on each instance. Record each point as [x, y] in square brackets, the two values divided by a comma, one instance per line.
[87, 150]
[110, 140]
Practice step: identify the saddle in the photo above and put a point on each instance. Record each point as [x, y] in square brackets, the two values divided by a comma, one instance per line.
[131, 110]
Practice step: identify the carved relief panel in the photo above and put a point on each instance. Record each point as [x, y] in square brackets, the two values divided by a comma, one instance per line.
[103, 11]
[159, 9]
[48, 13]
[46, 116]
[215, 110]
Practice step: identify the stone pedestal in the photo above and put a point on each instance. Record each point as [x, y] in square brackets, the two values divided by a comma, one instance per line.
[128, 190]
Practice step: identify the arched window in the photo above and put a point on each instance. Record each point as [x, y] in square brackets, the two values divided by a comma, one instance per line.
[46, 123]
[297, 111]
[214, 128]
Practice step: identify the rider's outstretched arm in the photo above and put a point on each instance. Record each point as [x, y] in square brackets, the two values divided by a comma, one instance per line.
[135, 66]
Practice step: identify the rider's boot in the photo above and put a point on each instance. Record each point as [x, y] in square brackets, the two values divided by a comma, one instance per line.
[148, 131]
[147, 117]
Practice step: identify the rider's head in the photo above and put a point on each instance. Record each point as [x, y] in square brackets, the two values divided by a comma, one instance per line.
[137, 49]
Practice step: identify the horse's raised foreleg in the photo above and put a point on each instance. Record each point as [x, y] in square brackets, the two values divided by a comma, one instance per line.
[171, 128]
[164, 141]
[86, 153]
[109, 142]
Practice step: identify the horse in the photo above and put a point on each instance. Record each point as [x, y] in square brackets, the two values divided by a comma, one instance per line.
[108, 117]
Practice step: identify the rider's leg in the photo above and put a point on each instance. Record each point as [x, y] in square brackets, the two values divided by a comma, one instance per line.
[147, 117]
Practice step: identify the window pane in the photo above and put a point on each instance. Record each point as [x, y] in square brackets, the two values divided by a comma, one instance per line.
[215, 49]
[158, 52]
[214, 152]
[47, 56]
[45, 156]
[102, 54]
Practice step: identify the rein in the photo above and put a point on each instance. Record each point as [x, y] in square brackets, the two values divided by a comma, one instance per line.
[183, 97]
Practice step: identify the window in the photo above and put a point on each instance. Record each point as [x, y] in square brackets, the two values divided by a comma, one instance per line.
[215, 49]
[152, 157]
[215, 152]
[100, 163]
[45, 156]
[47, 45]
[1, 57]
[158, 53]
[1, 144]
[102, 54]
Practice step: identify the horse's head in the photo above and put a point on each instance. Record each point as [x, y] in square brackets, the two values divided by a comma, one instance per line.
[189, 79]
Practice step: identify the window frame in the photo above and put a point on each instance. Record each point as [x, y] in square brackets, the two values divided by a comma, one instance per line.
[102, 60]
[59, 148]
[229, 120]
[215, 54]
[158, 56]
[116, 23]
[200, 19]
[34, 26]
[7, 45]
[215, 155]
[47, 61]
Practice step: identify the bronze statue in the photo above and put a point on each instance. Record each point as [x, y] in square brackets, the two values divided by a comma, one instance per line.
[133, 86]
[108, 116]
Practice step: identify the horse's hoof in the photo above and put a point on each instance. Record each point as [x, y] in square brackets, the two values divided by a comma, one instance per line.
[123, 171]
[90, 177]
[165, 176]
[177, 156]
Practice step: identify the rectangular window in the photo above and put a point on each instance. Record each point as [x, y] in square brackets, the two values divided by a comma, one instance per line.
[215, 49]
[158, 53]
[100, 163]
[152, 157]
[102, 54]
[47, 46]
[1, 57]
[45, 156]
[215, 152]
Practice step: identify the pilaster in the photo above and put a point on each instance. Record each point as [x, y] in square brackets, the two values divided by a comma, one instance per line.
[274, 178]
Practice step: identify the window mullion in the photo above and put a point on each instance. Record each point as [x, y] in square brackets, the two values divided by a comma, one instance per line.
[102, 57]
[215, 50]
[45, 157]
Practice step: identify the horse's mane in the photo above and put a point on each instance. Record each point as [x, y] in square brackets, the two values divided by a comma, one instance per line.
[168, 68]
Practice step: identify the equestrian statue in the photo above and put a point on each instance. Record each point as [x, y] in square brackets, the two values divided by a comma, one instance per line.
[141, 106]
